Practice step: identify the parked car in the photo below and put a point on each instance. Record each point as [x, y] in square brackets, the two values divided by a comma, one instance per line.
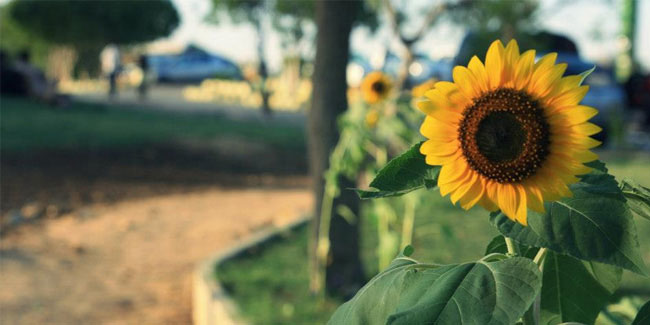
[193, 65]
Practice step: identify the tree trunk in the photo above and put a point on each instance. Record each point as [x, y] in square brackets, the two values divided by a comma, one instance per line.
[261, 68]
[334, 19]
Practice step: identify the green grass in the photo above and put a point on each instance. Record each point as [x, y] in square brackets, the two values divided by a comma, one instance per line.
[271, 287]
[27, 126]
[273, 282]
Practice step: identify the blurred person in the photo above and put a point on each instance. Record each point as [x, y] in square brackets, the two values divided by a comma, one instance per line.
[111, 61]
[35, 83]
[143, 63]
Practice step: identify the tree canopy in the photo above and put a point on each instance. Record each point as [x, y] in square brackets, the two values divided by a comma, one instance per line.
[91, 22]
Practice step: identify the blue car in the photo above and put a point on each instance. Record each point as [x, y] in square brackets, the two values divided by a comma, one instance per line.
[193, 65]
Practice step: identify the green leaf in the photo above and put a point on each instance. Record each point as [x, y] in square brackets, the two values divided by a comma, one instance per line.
[480, 292]
[638, 197]
[586, 74]
[595, 224]
[498, 245]
[408, 250]
[643, 317]
[574, 290]
[403, 174]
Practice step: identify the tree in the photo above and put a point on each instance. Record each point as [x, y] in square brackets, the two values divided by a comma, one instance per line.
[93, 22]
[334, 20]
[397, 19]
[87, 26]
[252, 12]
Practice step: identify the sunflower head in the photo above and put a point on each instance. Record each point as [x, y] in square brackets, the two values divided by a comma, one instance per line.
[510, 133]
[375, 87]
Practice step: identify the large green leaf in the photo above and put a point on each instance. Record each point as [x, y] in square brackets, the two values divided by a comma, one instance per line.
[574, 290]
[480, 292]
[643, 317]
[595, 224]
[638, 197]
[403, 174]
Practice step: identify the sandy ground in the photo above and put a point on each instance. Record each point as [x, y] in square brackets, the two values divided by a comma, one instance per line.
[130, 262]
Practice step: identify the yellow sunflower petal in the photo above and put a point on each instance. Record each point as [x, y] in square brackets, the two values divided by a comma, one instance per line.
[455, 184]
[573, 115]
[524, 69]
[586, 128]
[521, 213]
[584, 142]
[474, 195]
[435, 160]
[440, 113]
[465, 81]
[534, 198]
[508, 200]
[487, 203]
[451, 173]
[541, 85]
[432, 127]
[545, 63]
[510, 62]
[494, 63]
[480, 74]
[569, 98]
[463, 188]
[565, 84]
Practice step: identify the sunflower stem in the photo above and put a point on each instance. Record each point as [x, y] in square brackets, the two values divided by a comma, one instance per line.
[539, 258]
[511, 246]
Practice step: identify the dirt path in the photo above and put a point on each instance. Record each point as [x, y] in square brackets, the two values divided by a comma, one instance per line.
[129, 262]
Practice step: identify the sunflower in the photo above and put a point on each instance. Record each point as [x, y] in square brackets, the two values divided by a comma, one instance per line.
[375, 87]
[509, 134]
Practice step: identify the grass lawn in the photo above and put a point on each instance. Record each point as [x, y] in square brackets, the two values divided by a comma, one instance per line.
[27, 126]
[271, 286]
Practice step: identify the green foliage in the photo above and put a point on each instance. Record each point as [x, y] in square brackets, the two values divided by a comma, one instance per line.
[638, 197]
[14, 39]
[405, 173]
[595, 224]
[574, 290]
[643, 317]
[87, 23]
[497, 292]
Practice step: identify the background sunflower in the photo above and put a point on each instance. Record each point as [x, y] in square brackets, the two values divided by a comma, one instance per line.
[375, 87]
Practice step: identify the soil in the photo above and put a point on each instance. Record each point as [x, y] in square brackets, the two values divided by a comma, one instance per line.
[112, 237]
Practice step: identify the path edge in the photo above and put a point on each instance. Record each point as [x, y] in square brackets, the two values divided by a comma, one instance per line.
[211, 303]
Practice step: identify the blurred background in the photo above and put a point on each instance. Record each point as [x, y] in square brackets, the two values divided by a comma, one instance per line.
[140, 137]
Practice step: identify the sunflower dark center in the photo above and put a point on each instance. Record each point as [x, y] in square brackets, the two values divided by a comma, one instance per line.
[378, 87]
[504, 135]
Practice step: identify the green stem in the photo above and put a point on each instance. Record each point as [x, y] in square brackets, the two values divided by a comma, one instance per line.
[511, 246]
[532, 315]
[409, 220]
[539, 258]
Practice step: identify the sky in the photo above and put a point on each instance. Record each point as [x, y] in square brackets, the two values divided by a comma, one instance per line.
[594, 25]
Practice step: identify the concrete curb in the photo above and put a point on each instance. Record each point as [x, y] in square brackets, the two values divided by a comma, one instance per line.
[211, 304]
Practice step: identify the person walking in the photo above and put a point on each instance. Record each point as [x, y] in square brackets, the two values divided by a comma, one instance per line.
[110, 61]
